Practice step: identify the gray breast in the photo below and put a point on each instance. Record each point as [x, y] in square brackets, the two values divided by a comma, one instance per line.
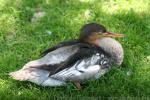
[114, 48]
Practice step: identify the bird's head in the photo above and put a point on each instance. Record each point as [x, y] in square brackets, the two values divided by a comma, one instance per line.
[92, 32]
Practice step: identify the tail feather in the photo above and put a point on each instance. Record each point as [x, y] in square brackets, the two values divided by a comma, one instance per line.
[19, 75]
[37, 76]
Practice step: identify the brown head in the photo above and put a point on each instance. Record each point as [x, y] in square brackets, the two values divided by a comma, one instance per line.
[91, 32]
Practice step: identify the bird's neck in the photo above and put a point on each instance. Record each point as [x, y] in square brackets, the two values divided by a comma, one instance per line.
[93, 43]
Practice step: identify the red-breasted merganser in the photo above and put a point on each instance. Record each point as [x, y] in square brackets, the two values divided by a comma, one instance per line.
[92, 55]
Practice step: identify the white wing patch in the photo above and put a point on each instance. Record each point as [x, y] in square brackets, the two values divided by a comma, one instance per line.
[82, 70]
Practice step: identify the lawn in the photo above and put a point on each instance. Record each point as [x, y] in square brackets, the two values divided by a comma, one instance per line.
[28, 27]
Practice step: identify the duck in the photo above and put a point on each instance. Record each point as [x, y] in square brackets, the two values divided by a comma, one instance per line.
[89, 57]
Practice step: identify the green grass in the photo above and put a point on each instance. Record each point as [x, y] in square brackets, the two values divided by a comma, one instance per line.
[22, 40]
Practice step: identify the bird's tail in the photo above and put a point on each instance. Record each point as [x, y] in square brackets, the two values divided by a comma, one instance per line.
[21, 75]
[37, 76]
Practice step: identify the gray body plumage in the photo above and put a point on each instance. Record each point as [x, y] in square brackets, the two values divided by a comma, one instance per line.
[85, 69]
